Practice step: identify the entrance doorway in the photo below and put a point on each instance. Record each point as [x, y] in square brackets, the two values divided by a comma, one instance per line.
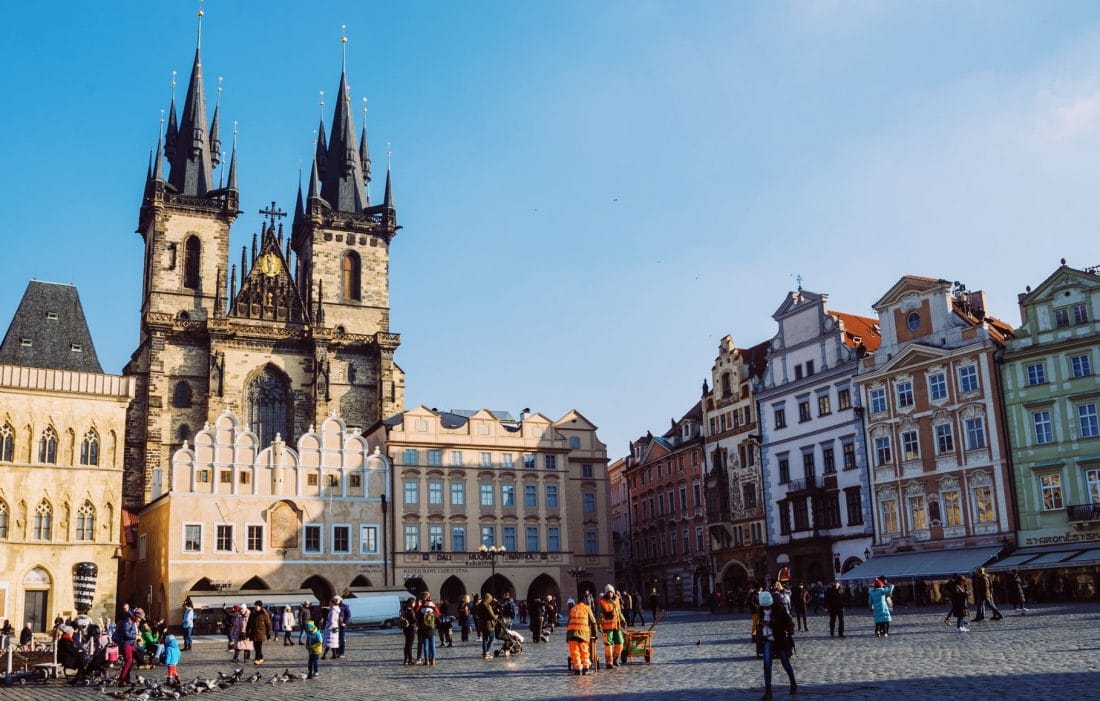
[34, 610]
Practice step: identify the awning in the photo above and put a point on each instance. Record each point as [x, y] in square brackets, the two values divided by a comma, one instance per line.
[1049, 557]
[207, 601]
[929, 564]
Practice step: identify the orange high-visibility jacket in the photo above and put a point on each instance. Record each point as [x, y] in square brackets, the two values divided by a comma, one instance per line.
[582, 623]
[611, 614]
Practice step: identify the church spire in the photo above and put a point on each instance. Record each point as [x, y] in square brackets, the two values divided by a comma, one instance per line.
[364, 151]
[215, 132]
[173, 127]
[342, 183]
[232, 182]
[191, 172]
[299, 208]
[314, 183]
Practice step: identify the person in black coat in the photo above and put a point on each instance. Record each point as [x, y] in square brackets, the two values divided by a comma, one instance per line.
[777, 634]
[960, 596]
[834, 604]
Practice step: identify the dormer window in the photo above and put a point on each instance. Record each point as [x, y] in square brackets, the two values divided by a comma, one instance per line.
[25, 342]
[76, 347]
[52, 316]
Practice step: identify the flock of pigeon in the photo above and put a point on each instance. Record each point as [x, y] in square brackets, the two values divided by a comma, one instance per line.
[148, 690]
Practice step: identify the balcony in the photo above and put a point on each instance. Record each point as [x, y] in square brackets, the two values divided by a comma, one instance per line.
[813, 483]
[1083, 512]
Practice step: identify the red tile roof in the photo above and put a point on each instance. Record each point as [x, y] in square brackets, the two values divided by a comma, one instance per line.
[862, 327]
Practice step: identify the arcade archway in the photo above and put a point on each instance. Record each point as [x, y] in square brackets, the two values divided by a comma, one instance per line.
[416, 586]
[542, 586]
[452, 591]
[497, 585]
[321, 588]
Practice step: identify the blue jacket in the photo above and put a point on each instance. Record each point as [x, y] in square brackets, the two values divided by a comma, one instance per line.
[125, 631]
[877, 598]
[171, 650]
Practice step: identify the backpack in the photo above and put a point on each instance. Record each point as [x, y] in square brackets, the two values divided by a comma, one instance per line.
[427, 618]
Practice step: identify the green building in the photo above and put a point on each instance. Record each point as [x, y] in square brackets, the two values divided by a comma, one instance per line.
[1052, 396]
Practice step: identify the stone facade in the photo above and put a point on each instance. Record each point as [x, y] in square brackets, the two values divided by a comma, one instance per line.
[734, 489]
[305, 334]
[466, 479]
[1052, 393]
[61, 436]
[620, 519]
[237, 515]
[815, 489]
[939, 457]
[668, 522]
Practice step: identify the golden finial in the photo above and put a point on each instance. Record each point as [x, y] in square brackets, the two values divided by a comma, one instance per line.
[344, 46]
[389, 157]
[161, 132]
[200, 14]
[173, 84]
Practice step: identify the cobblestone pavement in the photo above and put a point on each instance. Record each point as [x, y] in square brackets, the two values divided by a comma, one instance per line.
[1050, 653]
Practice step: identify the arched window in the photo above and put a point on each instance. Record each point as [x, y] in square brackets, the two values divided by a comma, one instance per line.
[43, 521]
[47, 447]
[85, 522]
[183, 432]
[270, 406]
[7, 442]
[181, 396]
[89, 448]
[350, 276]
[3, 519]
[192, 258]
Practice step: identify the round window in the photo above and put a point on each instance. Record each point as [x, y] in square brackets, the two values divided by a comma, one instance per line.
[913, 321]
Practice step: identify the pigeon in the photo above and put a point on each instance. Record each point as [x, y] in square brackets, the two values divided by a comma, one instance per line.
[254, 678]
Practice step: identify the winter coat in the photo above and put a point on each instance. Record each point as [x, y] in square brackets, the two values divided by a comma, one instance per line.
[877, 596]
[288, 619]
[958, 602]
[782, 627]
[834, 600]
[332, 627]
[259, 626]
[171, 650]
[983, 587]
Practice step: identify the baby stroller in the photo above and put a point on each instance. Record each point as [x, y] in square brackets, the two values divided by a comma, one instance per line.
[95, 669]
[512, 642]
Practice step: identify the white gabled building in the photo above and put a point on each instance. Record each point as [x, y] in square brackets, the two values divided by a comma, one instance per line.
[816, 489]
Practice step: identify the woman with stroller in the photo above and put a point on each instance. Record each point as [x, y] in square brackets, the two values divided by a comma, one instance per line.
[487, 619]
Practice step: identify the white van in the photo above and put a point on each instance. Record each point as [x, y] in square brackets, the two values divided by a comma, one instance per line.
[375, 608]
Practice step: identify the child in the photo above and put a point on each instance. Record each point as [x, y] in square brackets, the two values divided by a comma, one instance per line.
[314, 644]
[172, 659]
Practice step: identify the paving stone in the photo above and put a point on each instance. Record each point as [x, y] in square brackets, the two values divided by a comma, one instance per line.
[1050, 653]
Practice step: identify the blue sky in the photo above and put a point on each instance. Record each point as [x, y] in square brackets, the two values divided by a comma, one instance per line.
[593, 194]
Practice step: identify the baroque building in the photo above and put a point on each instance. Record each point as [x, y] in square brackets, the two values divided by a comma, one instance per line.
[62, 424]
[940, 476]
[295, 331]
[1051, 396]
[620, 520]
[811, 424]
[664, 475]
[733, 487]
[465, 479]
[269, 520]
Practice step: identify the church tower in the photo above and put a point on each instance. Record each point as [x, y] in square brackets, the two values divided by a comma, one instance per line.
[300, 335]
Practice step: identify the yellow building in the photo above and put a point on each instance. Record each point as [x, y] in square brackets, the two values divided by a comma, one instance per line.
[62, 423]
[536, 487]
[240, 516]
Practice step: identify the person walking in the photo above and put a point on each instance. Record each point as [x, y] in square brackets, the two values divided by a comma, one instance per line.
[332, 628]
[959, 598]
[880, 598]
[427, 619]
[407, 619]
[464, 618]
[345, 621]
[612, 624]
[445, 625]
[305, 614]
[188, 624]
[580, 632]
[834, 605]
[777, 638]
[626, 601]
[983, 596]
[636, 608]
[1019, 599]
[537, 613]
[314, 645]
[800, 598]
[259, 629]
[172, 659]
[125, 635]
[486, 619]
[288, 621]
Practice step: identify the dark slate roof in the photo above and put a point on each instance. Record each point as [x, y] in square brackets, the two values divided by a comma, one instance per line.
[37, 339]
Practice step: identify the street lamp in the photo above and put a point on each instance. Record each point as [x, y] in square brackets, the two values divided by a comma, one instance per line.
[492, 552]
[576, 573]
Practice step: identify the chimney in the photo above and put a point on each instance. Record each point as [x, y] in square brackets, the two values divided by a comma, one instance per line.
[977, 303]
[1023, 310]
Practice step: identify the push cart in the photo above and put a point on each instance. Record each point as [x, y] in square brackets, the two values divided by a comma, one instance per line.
[639, 643]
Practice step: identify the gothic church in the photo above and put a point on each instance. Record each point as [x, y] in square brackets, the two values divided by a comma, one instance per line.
[297, 330]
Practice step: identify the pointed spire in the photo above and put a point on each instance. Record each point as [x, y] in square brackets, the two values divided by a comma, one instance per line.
[191, 172]
[364, 151]
[299, 209]
[387, 199]
[173, 129]
[215, 133]
[321, 143]
[158, 160]
[232, 184]
[233, 286]
[314, 182]
[244, 267]
[342, 184]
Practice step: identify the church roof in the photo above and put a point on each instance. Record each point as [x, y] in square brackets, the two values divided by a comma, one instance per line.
[49, 331]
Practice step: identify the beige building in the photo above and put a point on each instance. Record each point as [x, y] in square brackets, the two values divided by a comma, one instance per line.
[62, 423]
[463, 479]
[240, 516]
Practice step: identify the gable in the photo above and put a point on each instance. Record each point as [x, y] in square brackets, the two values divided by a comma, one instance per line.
[1059, 280]
[908, 284]
[267, 291]
[796, 301]
[576, 420]
[913, 355]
